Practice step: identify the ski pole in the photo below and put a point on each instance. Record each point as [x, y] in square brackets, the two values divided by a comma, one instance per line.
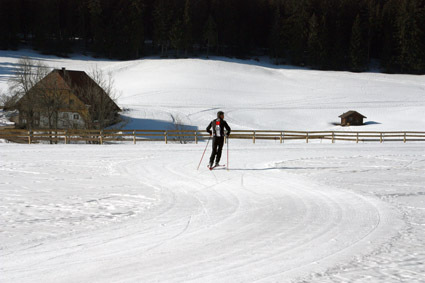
[204, 153]
[228, 138]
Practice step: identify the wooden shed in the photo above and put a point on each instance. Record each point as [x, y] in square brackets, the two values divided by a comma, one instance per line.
[352, 118]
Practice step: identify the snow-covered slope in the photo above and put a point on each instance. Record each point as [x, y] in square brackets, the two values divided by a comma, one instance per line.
[254, 95]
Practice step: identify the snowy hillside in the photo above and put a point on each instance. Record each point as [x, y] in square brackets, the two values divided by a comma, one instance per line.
[254, 95]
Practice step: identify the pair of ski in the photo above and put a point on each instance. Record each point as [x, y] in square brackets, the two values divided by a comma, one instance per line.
[216, 166]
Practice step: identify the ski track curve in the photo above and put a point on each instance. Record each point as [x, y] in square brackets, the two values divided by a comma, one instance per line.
[219, 226]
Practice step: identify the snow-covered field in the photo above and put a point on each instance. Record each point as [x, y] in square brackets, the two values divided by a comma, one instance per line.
[290, 212]
[282, 213]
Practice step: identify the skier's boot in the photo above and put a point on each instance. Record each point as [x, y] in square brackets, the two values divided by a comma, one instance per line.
[217, 164]
[211, 166]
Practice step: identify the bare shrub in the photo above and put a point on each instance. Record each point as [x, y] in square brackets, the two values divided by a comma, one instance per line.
[28, 74]
[96, 91]
[180, 130]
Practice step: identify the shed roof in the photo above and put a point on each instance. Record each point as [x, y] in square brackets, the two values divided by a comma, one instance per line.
[80, 80]
[351, 112]
[76, 81]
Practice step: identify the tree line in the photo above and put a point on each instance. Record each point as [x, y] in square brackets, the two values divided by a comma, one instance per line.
[323, 34]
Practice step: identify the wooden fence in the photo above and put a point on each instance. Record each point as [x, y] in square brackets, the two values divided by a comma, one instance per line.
[191, 136]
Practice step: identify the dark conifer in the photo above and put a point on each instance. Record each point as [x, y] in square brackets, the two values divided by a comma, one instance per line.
[323, 34]
[358, 52]
[410, 37]
[210, 34]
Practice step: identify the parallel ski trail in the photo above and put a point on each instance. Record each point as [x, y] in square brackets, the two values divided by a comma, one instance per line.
[228, 226]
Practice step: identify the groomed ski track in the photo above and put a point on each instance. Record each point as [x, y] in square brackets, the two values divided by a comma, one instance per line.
[254, 223]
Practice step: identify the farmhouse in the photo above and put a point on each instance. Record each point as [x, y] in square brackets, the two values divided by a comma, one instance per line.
[352, 118]
[66, 99]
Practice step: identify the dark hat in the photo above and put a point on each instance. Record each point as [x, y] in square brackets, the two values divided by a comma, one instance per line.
[219, 113]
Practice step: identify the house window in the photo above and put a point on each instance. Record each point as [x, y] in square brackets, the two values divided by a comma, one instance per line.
[36, 122]
[24, 121]
[76, 117]
[65, 115]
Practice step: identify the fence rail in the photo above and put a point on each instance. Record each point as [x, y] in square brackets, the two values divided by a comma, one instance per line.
[187, 136]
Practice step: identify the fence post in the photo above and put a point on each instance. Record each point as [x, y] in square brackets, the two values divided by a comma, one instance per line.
[306, 137]
[196, 137]
[134, 136]
[253, 137]
[380, 138]
[101, 136]
[405, 139]
[357, 138]
[165, 137]
[66, 136]
[29, 137]
[281, 137]
[333, 137]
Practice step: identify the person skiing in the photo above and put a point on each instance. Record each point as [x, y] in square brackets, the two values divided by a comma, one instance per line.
[216, 130]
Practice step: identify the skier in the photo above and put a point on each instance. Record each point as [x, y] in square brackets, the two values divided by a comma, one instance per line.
[216, 129]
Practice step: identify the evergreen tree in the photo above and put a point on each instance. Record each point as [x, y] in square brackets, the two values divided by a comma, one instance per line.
[299, 32]
[177, 36]
[210, 34]
[187, 28]
[161, 17]
[410, 37]
[134, 28]
[389, 48]
[358, 53]
[373, 23]
[96, 25]
[324, 34]
[43, 29]
[276, 45]
[316, 56]
[9, 24]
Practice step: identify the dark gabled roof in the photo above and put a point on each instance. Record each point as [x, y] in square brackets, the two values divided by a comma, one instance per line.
[351, 112]
[78, 80]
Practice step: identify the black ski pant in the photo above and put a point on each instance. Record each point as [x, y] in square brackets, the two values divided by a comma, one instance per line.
[217, 148]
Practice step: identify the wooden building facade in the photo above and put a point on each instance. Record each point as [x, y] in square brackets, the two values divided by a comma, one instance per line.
[352, 118]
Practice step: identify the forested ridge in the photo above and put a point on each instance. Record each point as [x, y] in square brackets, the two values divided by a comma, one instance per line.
[322, 34]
